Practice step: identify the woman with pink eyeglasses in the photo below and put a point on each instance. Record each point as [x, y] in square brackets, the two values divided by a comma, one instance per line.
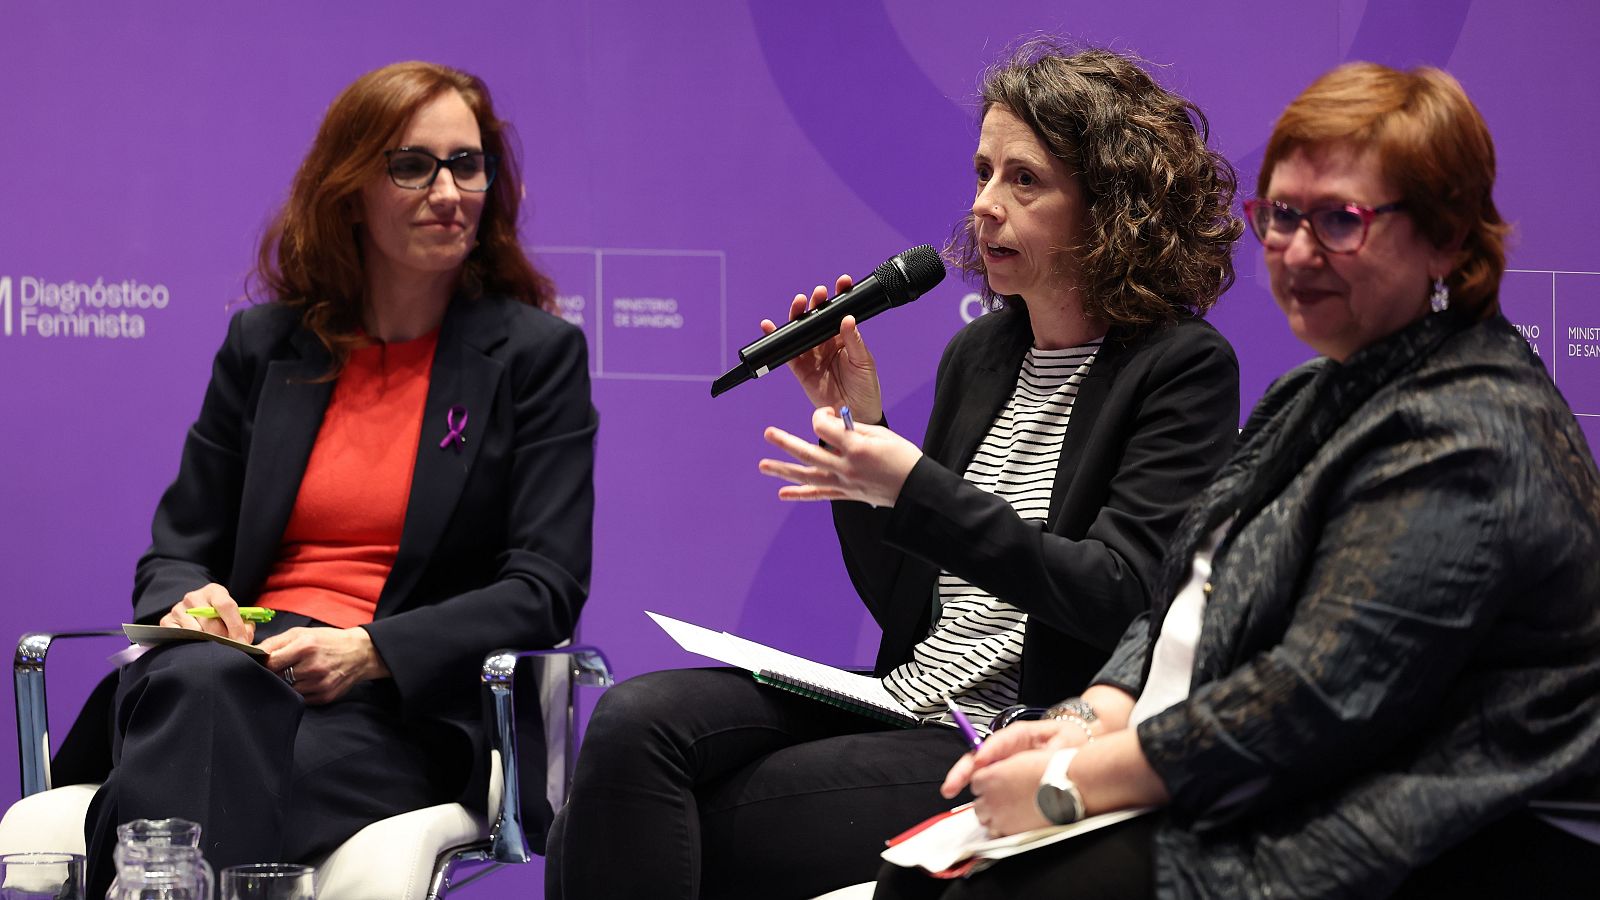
[1376, 639]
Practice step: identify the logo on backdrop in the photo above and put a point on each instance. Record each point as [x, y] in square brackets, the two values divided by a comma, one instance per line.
[36, 308]
[972, 307]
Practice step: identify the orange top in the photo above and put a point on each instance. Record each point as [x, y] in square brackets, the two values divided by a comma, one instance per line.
[343, 535]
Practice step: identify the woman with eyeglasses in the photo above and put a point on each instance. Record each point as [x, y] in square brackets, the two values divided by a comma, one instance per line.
[1377, 635]
[394, 455]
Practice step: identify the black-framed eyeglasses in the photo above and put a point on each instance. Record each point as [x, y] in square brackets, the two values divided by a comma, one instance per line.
[415, 169]
[1341, 228]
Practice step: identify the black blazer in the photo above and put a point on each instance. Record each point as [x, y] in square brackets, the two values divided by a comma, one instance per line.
[495, 549]
[1154, 418]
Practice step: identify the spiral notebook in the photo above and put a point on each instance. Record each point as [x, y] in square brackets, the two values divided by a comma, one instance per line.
[861, 694]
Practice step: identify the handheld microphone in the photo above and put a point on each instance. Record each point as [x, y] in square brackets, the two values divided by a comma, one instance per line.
[900, 280]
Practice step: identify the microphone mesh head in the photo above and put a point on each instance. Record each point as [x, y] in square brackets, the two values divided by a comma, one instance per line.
[910, 274]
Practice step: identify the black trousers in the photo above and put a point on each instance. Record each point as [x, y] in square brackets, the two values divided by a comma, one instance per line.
[206, 733]
[704, 783]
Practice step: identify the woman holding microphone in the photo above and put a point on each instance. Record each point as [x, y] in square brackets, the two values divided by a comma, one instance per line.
[1004, 557]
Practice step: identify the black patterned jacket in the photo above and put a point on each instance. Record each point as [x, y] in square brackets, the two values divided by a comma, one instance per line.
[1402, 639]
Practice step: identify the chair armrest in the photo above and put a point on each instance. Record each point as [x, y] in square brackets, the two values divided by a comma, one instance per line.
[563, 669]
[33, 715]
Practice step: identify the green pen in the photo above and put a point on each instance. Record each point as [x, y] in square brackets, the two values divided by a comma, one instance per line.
[247, 613]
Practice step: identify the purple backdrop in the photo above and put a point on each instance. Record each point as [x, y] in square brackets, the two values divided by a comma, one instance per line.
[688, 170]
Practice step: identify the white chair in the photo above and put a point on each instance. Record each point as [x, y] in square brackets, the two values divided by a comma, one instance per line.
[419, 854]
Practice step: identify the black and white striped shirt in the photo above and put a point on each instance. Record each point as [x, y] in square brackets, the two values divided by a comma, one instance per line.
[975, 651]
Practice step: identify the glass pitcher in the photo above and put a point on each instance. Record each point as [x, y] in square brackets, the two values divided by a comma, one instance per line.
[159, 859]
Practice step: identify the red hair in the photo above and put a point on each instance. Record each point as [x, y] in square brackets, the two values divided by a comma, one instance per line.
[1433, 147]
[310, 257]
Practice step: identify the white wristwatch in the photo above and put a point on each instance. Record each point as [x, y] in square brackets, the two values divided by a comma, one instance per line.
[1058, 798]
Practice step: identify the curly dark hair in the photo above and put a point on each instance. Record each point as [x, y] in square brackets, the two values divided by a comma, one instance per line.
[1161, 228]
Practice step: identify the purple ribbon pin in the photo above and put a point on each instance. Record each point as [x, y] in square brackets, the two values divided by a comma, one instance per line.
[456, 419]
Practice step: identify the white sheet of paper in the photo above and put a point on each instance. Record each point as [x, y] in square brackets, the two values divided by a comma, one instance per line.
[704, 641]
[940, 845]
[747, 654]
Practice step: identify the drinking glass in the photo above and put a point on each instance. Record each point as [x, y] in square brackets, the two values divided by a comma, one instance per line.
[41, 876]
[268, 881]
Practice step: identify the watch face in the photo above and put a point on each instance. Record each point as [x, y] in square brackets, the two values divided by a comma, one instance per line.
[1059, 805]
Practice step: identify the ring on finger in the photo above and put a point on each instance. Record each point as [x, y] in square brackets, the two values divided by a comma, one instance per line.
[288, 675]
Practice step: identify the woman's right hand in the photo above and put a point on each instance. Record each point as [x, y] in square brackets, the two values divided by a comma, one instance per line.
[839, 371]
[1018, 737]
[227, 622]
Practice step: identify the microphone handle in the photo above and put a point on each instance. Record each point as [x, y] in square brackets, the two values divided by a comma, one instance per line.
[767, 352]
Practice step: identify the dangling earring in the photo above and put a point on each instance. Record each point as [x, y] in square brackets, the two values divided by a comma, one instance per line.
[1440, 298]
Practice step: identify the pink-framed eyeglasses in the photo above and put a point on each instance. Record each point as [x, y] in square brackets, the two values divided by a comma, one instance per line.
[1341, 228]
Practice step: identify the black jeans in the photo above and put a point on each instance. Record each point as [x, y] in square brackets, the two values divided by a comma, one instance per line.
[704, 783]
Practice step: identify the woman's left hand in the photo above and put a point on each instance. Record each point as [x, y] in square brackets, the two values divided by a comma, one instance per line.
[869, 464]
[1005, 793]
[327, 662]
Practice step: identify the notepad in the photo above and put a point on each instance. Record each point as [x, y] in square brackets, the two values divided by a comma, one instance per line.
[858, 693]
[150, 635]
[954, 844]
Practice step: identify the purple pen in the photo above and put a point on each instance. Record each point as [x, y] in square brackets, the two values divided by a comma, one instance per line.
[962, 723]
[849, 421]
